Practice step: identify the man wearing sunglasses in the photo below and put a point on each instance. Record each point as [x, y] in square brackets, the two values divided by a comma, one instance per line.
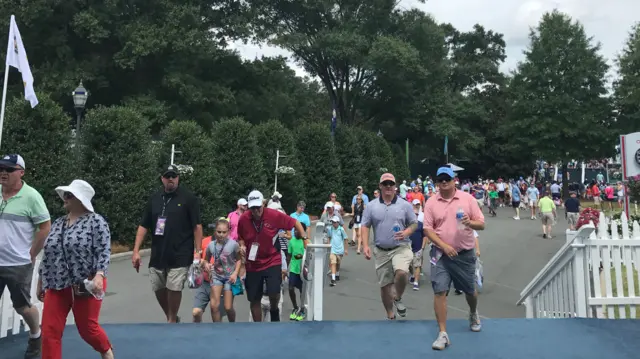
[450, 218]
[172, 218]
[24, 226]
[393, 223]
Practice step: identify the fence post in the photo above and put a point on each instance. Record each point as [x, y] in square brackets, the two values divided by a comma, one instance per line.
[579, 273]
[528, 306]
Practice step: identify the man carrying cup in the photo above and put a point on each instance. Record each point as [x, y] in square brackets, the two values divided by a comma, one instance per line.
[393, 222]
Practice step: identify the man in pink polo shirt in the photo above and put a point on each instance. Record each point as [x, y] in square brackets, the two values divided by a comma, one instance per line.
[450, 217]
[234, 216]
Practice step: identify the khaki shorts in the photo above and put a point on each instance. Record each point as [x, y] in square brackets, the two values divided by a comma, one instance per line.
[335, 258]
[572, 218]
[596, 200]
[388, 262]
[417, 259]
[172, 279]
[547, 218]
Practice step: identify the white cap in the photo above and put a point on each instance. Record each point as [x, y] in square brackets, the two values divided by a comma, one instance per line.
[242, 202]
[255, 199]
[415, 201]
[276, 194]
[275, 205]
[80, 190]
[335, 219]
[328, 205]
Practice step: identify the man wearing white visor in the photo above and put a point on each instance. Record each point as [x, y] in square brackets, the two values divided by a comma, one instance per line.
[235, 216]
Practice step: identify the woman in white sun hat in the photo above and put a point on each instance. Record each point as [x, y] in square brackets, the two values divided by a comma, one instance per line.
[73, 272]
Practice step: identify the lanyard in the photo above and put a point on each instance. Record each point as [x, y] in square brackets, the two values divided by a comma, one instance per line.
[164, 204]
[217, 258]
[258, 229]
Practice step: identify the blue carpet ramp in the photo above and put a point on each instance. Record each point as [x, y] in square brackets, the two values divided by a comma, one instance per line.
[500, 338]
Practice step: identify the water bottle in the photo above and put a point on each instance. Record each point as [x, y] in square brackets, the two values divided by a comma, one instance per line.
[459, 215]
[90, 287]
[396, 228]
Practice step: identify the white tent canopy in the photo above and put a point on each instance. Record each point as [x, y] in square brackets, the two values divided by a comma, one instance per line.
[455, 168]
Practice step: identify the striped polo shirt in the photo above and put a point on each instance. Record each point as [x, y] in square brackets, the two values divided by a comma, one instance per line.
[20, 216]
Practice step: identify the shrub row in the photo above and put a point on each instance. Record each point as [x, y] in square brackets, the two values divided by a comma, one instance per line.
[118, 155]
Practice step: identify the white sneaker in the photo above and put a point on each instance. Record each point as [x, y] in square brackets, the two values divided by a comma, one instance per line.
[442, 342]
[474, 322]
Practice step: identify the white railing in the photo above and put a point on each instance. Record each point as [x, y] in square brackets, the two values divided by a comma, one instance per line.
[11, 323]
[315, 260]
[595, 274]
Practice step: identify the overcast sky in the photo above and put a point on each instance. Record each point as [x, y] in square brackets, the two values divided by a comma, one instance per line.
[608, 22]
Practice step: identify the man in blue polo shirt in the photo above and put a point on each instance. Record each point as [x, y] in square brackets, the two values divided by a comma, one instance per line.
[300, 216]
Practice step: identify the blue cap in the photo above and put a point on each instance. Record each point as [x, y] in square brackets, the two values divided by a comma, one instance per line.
[445, 171]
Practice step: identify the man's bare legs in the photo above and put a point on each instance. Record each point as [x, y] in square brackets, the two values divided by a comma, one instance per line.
[169, 301]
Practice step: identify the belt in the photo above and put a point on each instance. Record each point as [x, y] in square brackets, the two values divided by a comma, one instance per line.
[386, 249]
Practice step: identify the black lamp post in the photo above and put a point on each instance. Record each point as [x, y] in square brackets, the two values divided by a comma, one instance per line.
[80, 95]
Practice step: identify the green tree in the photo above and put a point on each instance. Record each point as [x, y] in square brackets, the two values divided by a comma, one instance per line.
[117, 157]
[401, 167]
[196, 152]
[272, 136]
[352, 157]
[560, 108]
[42, 137]
[627, 87]
[239, 161]
[321, 166]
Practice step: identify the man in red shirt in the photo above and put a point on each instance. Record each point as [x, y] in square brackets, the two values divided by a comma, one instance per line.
[257, 235]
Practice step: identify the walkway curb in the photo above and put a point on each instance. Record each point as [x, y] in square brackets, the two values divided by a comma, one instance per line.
[127, 255]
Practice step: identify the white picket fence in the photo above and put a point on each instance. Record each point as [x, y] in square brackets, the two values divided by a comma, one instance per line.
[595, 275]
[11, 323]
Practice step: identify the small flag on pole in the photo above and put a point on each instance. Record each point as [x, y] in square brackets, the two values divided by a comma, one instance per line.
[17, 57]
[334, 122]
[446, 145]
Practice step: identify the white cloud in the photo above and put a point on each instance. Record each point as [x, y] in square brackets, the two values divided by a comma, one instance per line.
[608, 22]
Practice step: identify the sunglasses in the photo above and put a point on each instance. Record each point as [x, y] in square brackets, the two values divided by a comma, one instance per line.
[170, 176]
[8, 169]
[68, 195]
[388, 183]
[443, 180]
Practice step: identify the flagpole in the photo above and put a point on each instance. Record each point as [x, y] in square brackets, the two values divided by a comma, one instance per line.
[4, 100]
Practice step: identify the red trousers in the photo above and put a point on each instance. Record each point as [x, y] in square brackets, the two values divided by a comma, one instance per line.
[86, 311]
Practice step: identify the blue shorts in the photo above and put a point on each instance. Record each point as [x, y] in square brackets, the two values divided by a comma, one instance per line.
[295, 281]
[221, 282]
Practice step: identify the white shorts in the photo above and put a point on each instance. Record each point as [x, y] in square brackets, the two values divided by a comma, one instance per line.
[357, 225]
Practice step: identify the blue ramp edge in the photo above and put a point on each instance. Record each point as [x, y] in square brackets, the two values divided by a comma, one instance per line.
[500, 338]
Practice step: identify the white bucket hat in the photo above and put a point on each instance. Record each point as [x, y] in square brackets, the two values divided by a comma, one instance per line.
[80, 190]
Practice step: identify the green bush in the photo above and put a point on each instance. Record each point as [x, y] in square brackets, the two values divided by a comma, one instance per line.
[272, 136]
[239, 161]
[351, 154]
[196, 151]
[321, 167]
[118, 159]
[42, 137]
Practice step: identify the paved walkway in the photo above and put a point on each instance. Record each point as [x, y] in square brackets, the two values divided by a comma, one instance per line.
[512, 251]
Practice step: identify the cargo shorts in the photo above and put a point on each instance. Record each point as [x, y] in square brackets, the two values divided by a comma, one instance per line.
[459, 270]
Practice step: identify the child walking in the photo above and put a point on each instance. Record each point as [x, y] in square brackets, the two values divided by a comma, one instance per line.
[338, 239]
[296, 249]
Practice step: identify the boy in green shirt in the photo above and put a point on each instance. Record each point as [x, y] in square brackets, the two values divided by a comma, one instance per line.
[296, 251]
[493, 198]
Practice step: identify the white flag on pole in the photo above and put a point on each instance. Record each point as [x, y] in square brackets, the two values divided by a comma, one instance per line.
[17, 57]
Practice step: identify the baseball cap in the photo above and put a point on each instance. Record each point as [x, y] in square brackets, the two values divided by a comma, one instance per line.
[170, 169]
[359, 187]
[387, 177]
[415, 201]
[444, 172]
[335, 219]
[255, 199]
[242, 202]
[328, 205]
[13, 161]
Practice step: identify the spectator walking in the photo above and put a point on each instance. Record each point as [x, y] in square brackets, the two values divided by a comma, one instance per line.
[172, 218]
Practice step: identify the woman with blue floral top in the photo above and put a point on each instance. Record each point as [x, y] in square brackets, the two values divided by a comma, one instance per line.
[77, 251]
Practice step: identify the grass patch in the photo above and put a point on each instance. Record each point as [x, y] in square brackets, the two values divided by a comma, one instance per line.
[120, 248]
[625, 289]
[605, 205]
